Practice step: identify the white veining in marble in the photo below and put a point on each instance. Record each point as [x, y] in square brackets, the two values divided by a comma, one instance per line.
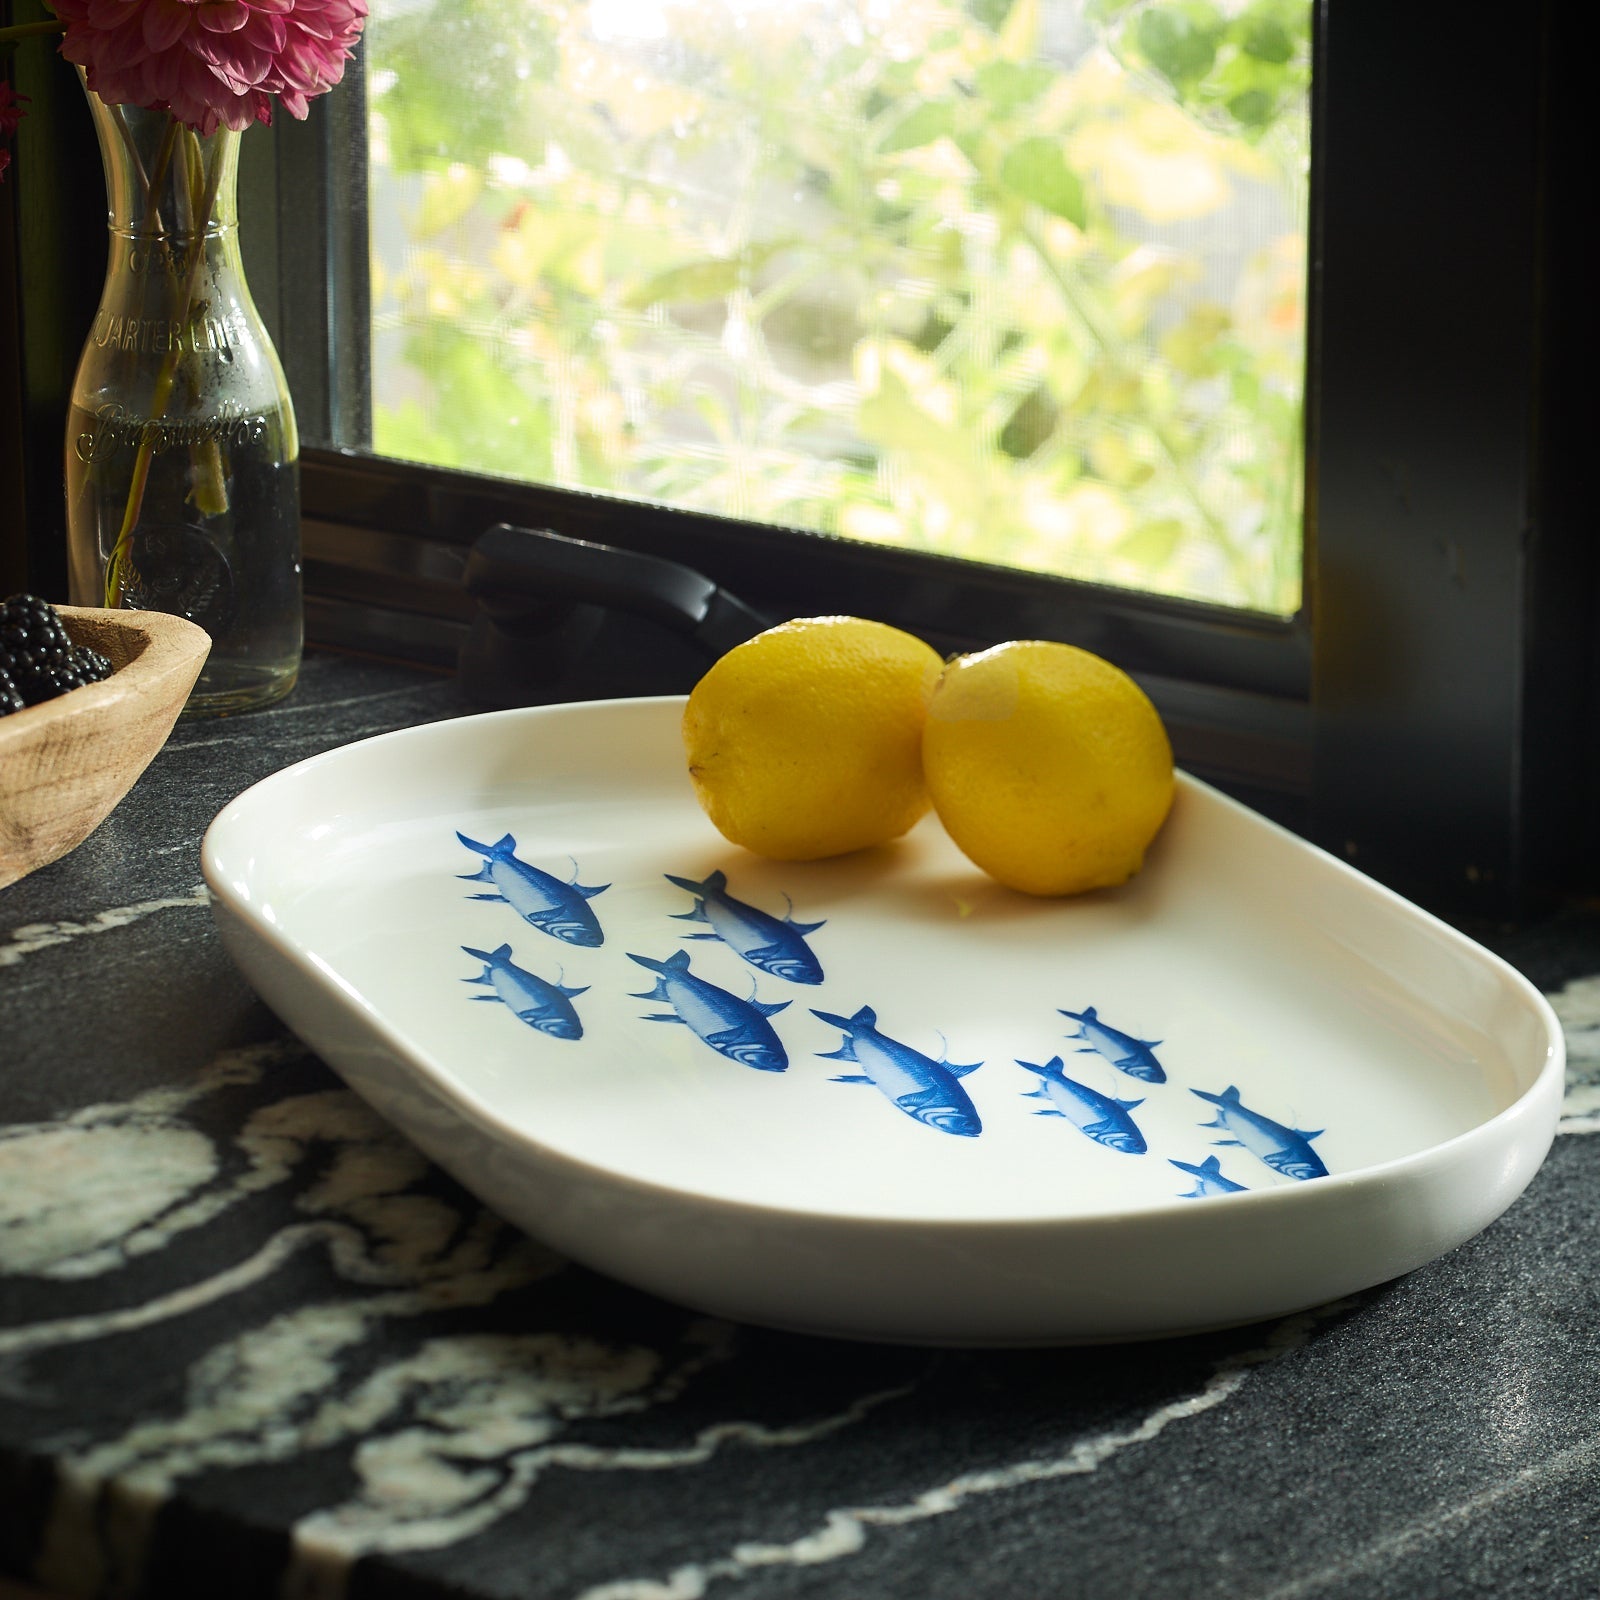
[35, 936]
[179, 1303]
[448, 1280]
[71, 1198]
[86, 1193]
[362, 1204]
[1578, 1007]
[449, 1435]
[455, 1460]
[1577, 1461]
[845, 1531]
[439, 1436]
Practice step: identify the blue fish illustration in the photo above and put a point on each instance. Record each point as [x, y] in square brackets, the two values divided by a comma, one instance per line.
[545, 1006]
[1136, 1057]
[1208, 1178]
[557, 908]
[1103, 1118]
[1285, 1150]
[735, 1028]
[922, 1088]
[766, 943]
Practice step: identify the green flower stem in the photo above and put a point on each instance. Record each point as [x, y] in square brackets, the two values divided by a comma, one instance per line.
[117, 568]
[154, 228]
[27, 30]
[138, 166]
[209, 492]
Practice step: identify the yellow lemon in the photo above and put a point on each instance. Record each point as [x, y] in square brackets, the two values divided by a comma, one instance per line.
[806, 740]
[1047, 765]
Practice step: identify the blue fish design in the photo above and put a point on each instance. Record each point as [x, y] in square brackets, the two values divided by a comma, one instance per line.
[1285, 1150]
[766, 943]
[1136, 1057]
[542, 1005]
[735, 1028]
[921, 1087]
[1208, 1178]
[546, 903]
[1102, 1118]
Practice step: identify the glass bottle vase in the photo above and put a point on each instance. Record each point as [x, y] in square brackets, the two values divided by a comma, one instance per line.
[182, 458]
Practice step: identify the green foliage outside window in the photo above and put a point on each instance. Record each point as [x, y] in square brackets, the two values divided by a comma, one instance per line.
[1020, 282]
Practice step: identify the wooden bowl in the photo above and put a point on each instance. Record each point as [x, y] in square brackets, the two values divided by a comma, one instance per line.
[64, 764]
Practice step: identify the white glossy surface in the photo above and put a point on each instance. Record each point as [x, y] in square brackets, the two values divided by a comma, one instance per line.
[788, 1197]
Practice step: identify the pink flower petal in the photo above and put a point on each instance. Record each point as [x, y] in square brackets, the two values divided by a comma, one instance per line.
[165, 23]
[241, 69]
[11, 112]
[107, 15]
[212, 63]
[267, 33]
[223, 16]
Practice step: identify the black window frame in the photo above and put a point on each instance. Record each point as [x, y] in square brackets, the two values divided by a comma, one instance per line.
[1433, 712]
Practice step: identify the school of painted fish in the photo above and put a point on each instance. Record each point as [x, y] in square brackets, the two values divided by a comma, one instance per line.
[931, 1092]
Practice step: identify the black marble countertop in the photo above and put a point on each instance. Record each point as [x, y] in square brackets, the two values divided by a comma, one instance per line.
[253, 1344]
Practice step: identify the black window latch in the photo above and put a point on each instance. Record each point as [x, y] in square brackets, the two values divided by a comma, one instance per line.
[553, 612]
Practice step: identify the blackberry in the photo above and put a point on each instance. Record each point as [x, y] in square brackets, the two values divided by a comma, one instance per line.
[89, 664]
[38, 661]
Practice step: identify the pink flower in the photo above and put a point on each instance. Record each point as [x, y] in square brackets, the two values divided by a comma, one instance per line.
[10, 115]
[11, 112]
[211, 63]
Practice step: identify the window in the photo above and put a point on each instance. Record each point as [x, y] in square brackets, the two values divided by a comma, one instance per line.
[1429, 710]
[1020, 283]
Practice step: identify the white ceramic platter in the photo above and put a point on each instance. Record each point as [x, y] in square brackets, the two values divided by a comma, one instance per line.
[1254, 1079]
